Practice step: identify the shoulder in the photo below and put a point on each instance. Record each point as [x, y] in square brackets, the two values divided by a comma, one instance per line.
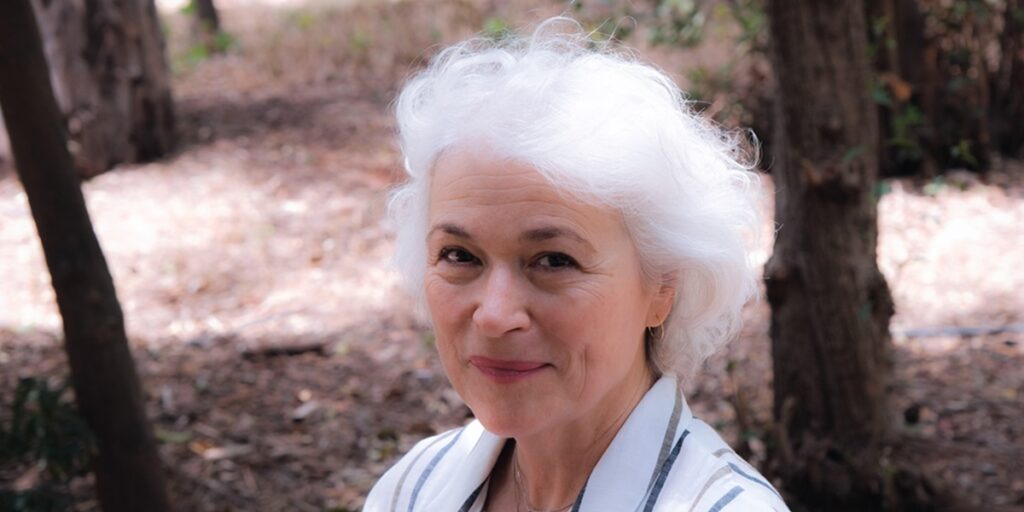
[400, 481]
[711, 477]
[739, 499]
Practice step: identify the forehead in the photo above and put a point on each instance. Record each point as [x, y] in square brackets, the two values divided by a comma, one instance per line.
[475, 183]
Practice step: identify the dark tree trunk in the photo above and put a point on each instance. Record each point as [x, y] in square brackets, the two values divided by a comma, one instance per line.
[129, 476]
[206, 26]
[1008, 89]
[830, 304]
[206, 12]
[110, 78]
[5, 150]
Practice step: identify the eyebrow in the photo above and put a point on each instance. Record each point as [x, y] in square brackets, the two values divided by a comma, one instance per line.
[451, 229]
[530, 235]
[548, 233]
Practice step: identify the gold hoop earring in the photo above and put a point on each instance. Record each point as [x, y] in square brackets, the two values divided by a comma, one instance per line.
[655, 334]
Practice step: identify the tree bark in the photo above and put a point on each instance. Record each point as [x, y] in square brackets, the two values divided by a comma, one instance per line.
[5, 150]
[110, 78]
[206, 13]
[830, 304]
[1008, 88]
[206, 26]
[129, 475]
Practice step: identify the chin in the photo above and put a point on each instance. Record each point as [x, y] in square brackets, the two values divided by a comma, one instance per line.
[504, 422]
[503, 428]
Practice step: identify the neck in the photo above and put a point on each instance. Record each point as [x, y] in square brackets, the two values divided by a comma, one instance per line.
[556, 463]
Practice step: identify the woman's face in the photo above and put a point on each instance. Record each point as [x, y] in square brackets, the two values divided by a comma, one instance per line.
[538, 300]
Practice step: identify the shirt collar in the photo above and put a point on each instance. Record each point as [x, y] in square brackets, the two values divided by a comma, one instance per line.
[619, 481]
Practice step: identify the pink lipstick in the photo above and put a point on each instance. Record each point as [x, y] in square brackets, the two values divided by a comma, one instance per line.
[506, 371]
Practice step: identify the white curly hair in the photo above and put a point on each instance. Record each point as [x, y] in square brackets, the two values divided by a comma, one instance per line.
[611, 130]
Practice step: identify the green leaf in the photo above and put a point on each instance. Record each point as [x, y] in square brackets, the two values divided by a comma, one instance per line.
[171, 437]
[223, 41]
[197, 53]
[496, 28]
[880, 94]
[881, 189]
[852, 154]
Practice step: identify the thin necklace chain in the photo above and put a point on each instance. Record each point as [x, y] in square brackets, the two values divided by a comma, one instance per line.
[521, 491]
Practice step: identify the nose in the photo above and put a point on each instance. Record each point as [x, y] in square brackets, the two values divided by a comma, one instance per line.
[502, 306]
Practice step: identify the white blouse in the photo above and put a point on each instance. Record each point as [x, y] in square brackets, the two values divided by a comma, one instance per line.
[662, 459]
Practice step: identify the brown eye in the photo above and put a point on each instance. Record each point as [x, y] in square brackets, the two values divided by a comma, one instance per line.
[556, 261]
[457, 256]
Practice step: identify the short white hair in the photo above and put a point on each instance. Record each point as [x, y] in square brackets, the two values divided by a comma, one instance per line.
[612, 131]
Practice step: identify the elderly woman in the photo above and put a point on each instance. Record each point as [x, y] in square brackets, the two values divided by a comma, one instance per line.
[579, 237]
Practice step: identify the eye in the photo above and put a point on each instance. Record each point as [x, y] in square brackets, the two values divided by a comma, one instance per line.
[556, 261]
[456, 256]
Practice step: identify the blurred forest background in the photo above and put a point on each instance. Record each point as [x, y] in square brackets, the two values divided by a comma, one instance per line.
[235, 160]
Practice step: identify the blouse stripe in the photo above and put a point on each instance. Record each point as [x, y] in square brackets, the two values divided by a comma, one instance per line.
[725, 500]
[652, 498]
[666, 441]
[472, 498]
[753, 479]
[579, 497]
[430, 468]
[722, 471]
[408, 469]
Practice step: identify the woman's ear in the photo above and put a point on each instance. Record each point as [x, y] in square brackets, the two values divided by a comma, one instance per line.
[664, 298]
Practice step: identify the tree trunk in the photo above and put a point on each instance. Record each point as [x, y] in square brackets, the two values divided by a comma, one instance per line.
[110, 78]
[904, 67]
[830, 304]
[5, 150]
[206, 26]
[1008, 89]
[206, 13]
[129, 475]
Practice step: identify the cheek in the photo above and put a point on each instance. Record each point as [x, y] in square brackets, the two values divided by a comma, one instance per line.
[601, 323]
[448, 312]
[578, 320]
[442, 300]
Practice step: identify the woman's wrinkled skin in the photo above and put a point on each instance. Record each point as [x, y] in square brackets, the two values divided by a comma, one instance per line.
[539, 306]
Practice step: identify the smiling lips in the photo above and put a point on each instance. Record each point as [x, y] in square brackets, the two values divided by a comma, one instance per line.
[505, 371]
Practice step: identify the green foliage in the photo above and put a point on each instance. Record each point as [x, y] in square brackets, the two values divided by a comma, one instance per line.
[934, 186]
[359, 42]
[906, 121]
[852, 154]
[753, 21]
[1016, 16]
[44, 498]
[200, 51]
[680, 23]
[880, 95]
[497, 29]
[705, 83]
[429, 342]
[905, 128]
[196, 54]
[738, 24]
[46, 431]
[224, 41]
[302, 19]
[189, 9]
[881, 189]
[961, 152]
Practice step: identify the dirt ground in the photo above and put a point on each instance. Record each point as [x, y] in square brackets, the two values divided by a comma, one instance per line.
[286, 370]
